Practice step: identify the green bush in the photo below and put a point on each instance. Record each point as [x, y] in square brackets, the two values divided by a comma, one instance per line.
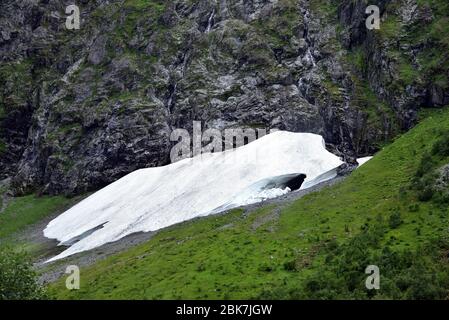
[425, 194]
[442, 198]
[395, 220]
[441, 147]
[427, 174]
[426, 165]
[17, 278]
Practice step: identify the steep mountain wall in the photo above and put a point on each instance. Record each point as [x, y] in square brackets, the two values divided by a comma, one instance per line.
[81, 108]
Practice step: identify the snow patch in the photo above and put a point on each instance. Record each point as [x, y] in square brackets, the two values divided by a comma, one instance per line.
[154, 198]
[362, 161]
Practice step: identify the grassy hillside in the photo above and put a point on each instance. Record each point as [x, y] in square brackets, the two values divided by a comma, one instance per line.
[18, 214]
[317, 247]
[24, 211]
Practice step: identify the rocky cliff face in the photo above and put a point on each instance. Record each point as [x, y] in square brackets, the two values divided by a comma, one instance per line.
[405, 62]
[81, 108]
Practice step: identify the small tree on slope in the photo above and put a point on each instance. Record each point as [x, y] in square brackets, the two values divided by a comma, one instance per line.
[17, 278]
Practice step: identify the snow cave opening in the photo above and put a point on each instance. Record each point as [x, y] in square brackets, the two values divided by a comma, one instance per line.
[291, 181]
[296, 182]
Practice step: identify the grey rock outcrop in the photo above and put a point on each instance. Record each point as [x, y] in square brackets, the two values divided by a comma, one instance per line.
[82, 108]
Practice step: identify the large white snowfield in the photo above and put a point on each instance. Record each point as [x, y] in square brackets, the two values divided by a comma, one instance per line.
[154, 198]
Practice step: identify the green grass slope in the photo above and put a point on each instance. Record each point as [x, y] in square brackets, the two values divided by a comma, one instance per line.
[317, 247]
[21, 213]
[27, 210]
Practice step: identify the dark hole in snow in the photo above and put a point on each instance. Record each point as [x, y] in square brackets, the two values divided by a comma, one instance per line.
[292, 181]
[296, 182]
